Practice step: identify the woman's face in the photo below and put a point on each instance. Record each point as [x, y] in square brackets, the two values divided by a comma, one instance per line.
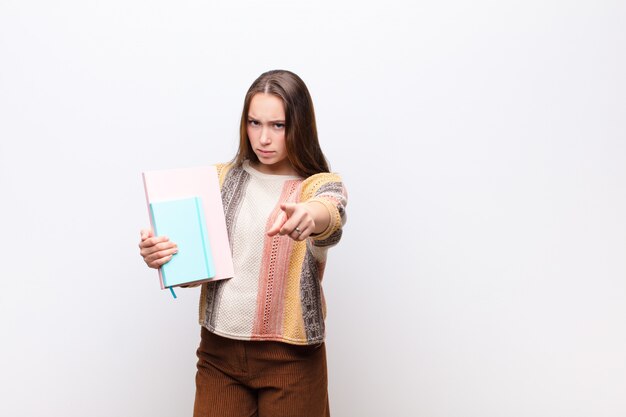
[266, 131]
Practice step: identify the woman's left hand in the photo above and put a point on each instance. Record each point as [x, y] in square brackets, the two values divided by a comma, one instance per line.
[295, 220]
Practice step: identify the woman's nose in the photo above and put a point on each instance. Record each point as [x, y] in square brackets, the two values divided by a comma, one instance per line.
[265, 137]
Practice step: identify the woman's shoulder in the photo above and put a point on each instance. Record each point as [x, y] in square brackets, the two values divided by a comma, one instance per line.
[223, 166]
[223, 169]
[322, 181]
[321, 178]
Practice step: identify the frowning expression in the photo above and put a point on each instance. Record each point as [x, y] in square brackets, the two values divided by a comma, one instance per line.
[266, 132]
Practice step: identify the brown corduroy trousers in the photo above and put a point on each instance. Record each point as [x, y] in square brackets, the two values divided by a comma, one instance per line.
[262, 379]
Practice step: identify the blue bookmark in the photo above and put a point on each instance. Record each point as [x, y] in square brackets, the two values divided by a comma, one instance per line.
[172, 291]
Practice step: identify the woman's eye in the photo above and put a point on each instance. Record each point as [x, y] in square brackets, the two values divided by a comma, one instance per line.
[279, 125]
[253, 122]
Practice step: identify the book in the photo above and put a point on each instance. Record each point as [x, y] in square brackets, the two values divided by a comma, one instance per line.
[203, 183]
[183, 222]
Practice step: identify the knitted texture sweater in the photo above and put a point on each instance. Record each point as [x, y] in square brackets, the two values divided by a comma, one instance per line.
[276, 293]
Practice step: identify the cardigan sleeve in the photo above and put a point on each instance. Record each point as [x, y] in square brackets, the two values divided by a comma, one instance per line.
[328, 189]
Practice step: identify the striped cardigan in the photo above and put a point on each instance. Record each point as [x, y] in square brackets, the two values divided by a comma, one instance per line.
[289, 305]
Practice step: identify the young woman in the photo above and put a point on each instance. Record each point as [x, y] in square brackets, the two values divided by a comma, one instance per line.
[262, 347]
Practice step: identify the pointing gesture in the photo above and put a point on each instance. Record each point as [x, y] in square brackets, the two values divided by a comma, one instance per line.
[295, 220]
[300, 220]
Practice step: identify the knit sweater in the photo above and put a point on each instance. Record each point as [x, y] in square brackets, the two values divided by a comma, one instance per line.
[276, 293]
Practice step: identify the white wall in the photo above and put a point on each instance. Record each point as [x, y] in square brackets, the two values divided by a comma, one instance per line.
[482, 270]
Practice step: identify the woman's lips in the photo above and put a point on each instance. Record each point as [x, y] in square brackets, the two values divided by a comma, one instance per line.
[265, 153]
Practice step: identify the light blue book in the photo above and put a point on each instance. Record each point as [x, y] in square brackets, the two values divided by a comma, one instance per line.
[184, 223]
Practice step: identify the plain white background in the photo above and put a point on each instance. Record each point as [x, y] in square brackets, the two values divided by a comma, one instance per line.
[482, 270]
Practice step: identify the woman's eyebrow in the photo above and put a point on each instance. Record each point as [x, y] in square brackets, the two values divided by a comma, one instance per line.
[269, 121]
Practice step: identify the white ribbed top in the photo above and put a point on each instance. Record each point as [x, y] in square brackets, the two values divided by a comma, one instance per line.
[238, 303]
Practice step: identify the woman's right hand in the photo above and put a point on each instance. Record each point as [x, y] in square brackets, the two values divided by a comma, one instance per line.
[156, 251]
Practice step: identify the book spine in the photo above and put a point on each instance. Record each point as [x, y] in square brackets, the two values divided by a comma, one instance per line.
[151, 216]
[162, 274]
[208, 261]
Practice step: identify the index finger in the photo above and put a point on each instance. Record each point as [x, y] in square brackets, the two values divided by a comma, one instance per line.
[278, 223]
